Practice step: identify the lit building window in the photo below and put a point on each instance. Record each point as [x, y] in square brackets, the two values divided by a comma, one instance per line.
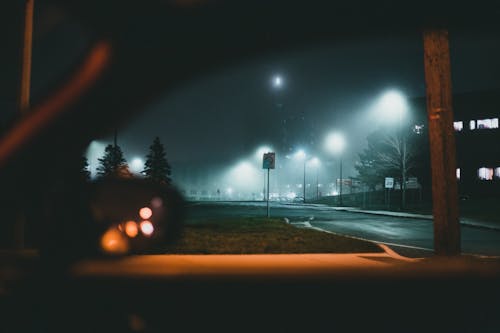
[472, 124]
[458, 173]
[485, 173]
[487, 123]
[458, 125]
[497, 172]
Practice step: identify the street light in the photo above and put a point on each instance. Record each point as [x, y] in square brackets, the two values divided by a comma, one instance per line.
[316, 162]
[137, 165]
[393, 105]
[277, 81]
[302, 155]
[335, 144]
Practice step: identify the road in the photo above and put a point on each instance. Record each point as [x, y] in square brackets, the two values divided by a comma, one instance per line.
[396, 231]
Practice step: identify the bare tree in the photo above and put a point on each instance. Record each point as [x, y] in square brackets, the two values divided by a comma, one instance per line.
[398, 155]
[388, 153]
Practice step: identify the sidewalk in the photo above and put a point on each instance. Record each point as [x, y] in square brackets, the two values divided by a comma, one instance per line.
[463, 221]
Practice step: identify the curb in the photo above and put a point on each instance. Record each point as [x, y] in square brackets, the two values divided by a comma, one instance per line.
[387, 250]
[417, 216]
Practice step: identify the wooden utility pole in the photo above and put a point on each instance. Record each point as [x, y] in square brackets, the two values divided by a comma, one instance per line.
[24, 100]
[442, 142]
[24, 96]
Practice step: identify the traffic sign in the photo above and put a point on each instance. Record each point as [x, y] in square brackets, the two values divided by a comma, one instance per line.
[268, 160]
[389, 182]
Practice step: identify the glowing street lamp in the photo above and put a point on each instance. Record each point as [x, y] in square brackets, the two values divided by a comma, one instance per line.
[277, 81]
[393, 105]
[137, 165]
[335, 144]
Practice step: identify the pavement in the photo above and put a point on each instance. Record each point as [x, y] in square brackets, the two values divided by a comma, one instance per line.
[463, 221]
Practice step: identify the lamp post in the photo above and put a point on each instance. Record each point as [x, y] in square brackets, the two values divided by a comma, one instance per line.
[315, 161]
[335, 144]
[393, 105]
[302, 155]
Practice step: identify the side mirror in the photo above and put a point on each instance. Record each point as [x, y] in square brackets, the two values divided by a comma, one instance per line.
[135, 215]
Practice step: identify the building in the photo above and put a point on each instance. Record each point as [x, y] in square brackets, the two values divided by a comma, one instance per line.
[477, 134]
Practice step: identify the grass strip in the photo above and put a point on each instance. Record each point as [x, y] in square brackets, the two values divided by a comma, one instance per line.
[261, 236]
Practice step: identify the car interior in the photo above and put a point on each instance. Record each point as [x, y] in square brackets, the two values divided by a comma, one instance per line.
[121, 57]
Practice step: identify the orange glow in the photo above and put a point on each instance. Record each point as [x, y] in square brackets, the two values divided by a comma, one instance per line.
[147, 228]
[120, 227]
[113, 242]
[131, 229]
[145, 213]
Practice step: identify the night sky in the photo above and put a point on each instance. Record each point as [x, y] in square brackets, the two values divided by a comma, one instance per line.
[228, 113]
[222, 116]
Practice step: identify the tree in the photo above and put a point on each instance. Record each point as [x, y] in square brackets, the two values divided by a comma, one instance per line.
[157, 167]
[112, 163]
[387, 154]
[84, 168]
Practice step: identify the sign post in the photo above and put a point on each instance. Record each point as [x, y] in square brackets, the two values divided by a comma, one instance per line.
[389, 183]
[268, 162]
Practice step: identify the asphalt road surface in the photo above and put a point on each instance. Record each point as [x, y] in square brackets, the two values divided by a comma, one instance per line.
[410, 236]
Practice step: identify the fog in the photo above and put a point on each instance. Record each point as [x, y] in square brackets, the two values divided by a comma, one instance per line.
[212, 126]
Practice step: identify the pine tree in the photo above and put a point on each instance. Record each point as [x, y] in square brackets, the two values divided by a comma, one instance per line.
[157, 167]
[112, 163]
[84, 168]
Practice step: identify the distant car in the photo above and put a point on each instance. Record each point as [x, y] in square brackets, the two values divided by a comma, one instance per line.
[298, 199]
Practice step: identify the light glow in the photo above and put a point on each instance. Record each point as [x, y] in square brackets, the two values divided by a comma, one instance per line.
[113, 242]
[145, 213]
[147, 228]
[277, 81]
[301, 154]
[261, 151]
[131, 229]
[137, 165]
[335, 143]
[393, 105]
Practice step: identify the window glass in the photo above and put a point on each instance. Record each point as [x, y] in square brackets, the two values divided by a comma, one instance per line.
[487, 123]
[485, 173]
[472, 124]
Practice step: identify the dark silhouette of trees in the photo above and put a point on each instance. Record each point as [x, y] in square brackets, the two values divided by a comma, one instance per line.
[84, 168]
[112, 164]
[157, 167]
